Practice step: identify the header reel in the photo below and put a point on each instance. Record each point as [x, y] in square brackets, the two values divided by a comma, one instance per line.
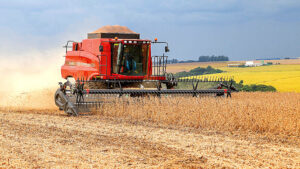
[78, 97]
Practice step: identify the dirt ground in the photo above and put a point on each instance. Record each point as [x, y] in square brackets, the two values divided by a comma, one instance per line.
[50, 139]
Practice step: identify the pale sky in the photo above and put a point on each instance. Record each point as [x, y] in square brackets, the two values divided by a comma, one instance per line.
[240, 29]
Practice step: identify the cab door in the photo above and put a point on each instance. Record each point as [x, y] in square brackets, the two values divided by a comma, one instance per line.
[116, 57]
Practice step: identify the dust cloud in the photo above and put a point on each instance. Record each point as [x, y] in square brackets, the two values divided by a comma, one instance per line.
[29, 79]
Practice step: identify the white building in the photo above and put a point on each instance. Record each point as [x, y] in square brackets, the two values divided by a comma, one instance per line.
[252, 64]
[249, 63]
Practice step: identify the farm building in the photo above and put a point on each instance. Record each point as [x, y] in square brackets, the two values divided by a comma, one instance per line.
[252, 64]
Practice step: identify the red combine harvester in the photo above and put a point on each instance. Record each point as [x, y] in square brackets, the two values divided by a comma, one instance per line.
[113, 60]
[112, 52]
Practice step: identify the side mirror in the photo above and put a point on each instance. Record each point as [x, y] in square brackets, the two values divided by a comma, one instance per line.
[167, 49]
[100, 48]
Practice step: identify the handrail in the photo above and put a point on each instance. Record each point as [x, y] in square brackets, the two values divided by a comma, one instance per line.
[67, 45]
[159, 65]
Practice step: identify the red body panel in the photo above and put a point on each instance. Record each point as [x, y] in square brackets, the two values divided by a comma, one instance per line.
[85, 61]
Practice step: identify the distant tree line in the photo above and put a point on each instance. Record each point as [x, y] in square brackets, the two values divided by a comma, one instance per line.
[212, 58]
[171, 61]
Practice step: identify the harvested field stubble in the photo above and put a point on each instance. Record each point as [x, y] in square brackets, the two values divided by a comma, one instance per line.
[274, 113]
[250, 130]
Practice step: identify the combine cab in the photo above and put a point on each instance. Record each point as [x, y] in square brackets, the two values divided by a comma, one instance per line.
[113, 60]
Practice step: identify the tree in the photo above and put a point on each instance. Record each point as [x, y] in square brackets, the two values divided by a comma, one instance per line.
[212, 58]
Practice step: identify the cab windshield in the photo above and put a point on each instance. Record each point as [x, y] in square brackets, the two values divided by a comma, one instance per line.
[130, 59]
